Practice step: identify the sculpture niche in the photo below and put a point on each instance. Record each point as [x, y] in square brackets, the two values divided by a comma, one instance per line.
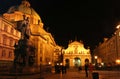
[24, 50]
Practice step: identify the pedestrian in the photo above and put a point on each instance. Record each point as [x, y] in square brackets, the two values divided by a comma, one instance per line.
[91, 67]
[65, 69]
[62, 68]
[86, 69]
[90, 70]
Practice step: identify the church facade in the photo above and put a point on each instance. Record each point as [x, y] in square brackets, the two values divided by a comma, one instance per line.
[75, 55]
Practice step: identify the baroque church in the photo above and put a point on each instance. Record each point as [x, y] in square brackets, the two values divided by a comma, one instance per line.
[76, 54]
[39, 38]
[47, 50]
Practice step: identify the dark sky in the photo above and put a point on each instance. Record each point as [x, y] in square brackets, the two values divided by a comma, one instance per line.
[86, 20]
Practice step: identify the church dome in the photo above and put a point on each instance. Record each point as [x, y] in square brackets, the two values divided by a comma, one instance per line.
[25, 8]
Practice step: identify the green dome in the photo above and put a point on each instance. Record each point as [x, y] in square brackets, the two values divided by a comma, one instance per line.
[25, 8]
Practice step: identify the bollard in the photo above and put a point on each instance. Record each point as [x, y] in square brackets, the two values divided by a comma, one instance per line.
[95, 75]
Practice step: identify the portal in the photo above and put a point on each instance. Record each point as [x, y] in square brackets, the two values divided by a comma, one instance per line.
[77, 62]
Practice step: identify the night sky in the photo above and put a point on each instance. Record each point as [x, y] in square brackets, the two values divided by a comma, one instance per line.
[86, 20]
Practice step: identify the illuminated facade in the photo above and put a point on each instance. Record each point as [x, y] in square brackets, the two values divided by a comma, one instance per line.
[57, 53]
[108, 52]
[41, 39]
[76, 54]
[8, 37]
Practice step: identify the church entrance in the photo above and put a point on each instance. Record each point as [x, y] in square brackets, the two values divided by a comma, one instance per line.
[77, 62]
[67, 63]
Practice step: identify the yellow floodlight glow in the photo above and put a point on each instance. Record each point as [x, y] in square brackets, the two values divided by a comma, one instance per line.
[118, 26]
[96, 57]
[118, 61]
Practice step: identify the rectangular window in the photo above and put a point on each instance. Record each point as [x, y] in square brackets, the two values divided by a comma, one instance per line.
[12, 31]
[10, 54]
[41, 59]
[3, 53]
[4, 40]
[11, 42]
[5, 27]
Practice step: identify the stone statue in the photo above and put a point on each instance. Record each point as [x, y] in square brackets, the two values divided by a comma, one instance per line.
[24, 53]
[25, 28]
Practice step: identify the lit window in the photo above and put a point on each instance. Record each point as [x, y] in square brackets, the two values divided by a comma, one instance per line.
[119, 33]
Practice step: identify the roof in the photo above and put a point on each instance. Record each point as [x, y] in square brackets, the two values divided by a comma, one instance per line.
[76, 43]
[25, 8]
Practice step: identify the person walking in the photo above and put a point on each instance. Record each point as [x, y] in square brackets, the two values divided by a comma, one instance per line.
[86, 69]
[90, 70]
[91, 67]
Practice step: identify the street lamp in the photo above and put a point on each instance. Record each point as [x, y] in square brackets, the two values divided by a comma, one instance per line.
[118, 61]
[96, 57]
[95, 60]
[118, 26]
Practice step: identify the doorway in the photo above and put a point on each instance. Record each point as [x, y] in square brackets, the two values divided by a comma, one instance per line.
[67, 63]
[77, 62]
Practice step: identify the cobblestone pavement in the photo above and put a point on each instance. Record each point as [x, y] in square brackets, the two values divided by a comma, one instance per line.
[68, 75]
[71, 74]
[75, 74]
[81, 75]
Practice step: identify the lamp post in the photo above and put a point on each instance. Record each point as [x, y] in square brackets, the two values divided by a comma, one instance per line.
[117, 63]
[95, 60]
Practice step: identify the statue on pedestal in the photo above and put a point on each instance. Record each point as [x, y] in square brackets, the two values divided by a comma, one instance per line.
[24, 51]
